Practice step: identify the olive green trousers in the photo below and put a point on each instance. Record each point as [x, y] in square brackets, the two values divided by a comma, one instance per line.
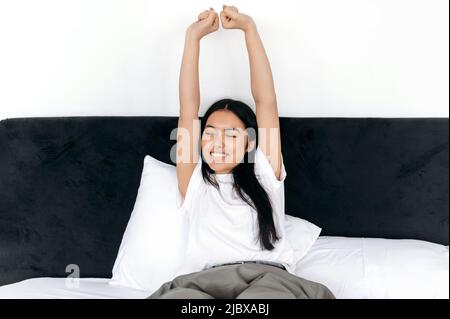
[242, 281]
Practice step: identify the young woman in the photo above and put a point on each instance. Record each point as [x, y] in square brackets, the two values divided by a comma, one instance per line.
[232, 188]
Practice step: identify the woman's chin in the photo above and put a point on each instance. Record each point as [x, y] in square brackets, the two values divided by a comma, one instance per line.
[220, 168]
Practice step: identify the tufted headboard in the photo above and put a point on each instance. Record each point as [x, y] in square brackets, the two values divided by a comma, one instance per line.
[68, 184]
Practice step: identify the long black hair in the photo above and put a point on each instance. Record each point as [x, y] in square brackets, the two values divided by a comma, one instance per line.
[246, 184]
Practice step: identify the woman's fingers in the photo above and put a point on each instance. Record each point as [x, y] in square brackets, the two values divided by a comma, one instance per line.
[210, 17]
[208, 21]
[229, 16]
[232, 19]
[216, 21]
[224, 16]
[230, 11]
[213, 19]
[203, 15]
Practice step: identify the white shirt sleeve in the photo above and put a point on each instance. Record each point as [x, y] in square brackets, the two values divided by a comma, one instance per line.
[195, 182]
[264, 170]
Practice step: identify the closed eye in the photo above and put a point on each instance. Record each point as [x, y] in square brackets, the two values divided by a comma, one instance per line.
[232, 132]
[209, 132]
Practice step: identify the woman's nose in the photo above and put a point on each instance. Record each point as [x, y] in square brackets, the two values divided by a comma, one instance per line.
[219, 139]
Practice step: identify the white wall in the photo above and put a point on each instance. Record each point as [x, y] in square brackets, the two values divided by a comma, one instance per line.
[330, 58]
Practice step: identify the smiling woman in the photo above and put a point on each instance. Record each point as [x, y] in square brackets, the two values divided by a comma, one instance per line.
[233, 191]
[234, 154]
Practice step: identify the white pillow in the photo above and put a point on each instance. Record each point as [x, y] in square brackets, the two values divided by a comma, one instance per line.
[378, 268]
[154, 241]
[152, 245]
[302, 235]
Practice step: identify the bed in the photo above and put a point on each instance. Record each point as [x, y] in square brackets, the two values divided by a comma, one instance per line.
[378, 188]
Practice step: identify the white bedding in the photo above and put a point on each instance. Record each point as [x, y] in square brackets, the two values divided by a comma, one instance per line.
[377, 268]
[349, 267]
[53, 288]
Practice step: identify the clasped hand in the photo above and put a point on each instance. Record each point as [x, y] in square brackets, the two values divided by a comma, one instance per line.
[208, 21]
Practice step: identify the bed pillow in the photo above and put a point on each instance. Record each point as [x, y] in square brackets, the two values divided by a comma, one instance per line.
[154, 242]
[302, 235]
[150, 251]
[377, 268]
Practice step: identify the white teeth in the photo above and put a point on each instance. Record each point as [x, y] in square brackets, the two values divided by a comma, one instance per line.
[218, 154]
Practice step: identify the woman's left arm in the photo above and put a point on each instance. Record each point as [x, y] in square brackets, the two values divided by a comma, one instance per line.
[263, 92]
[262, 86]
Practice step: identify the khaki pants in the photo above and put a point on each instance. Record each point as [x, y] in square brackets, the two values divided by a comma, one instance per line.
[242, 281]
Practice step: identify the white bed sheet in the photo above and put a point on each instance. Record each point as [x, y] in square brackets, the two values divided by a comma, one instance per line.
[351, 268]
[68, 288]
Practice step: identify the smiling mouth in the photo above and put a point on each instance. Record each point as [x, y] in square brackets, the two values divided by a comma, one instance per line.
[216, 154]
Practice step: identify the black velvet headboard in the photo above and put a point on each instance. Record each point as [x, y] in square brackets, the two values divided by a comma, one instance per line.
[68, 185]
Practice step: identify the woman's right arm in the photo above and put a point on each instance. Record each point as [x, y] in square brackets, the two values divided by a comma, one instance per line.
[188, 130]
[188, 134]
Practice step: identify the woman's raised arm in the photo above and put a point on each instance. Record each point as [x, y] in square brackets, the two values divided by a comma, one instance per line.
[189, 94]
[263, 92]
[262, 85]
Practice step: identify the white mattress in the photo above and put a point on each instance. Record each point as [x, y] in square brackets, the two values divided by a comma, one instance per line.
[350, 267]
[63, 288]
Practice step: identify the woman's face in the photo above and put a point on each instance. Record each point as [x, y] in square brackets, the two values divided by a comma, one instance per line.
[224, 141]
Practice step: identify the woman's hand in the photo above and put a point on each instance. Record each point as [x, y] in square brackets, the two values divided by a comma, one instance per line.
[232, 19]
[208, 21]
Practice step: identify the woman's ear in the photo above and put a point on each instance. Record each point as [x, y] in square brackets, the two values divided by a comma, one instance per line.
[251, 145]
